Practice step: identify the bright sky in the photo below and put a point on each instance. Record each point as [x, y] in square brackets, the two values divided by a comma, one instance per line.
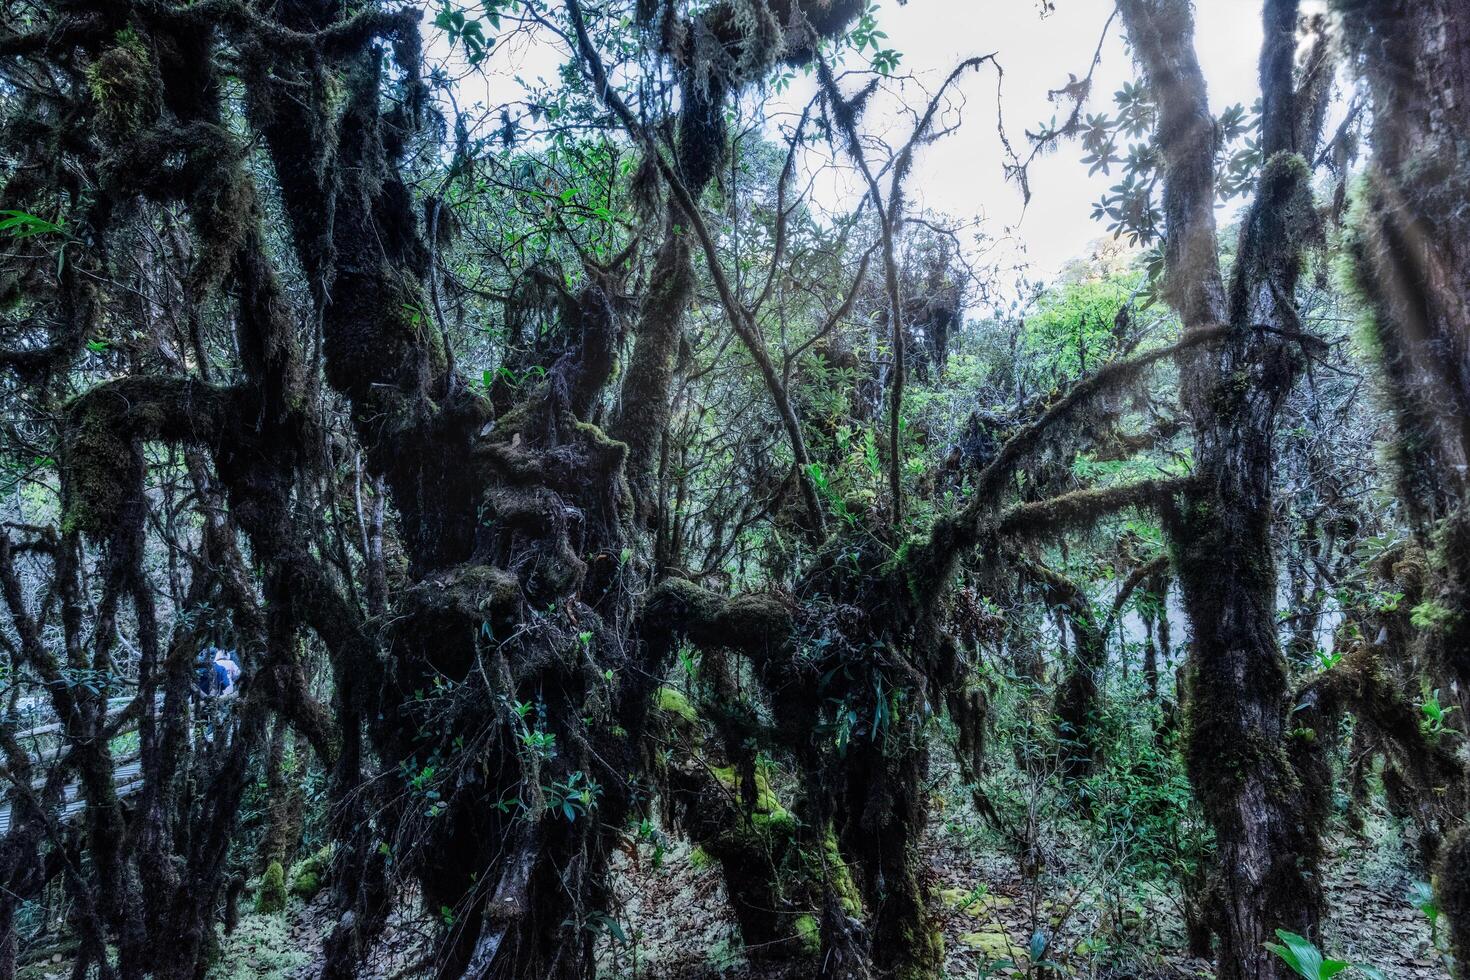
[962, 174]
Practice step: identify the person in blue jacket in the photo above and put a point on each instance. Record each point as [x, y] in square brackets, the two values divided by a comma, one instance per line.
[214, 679]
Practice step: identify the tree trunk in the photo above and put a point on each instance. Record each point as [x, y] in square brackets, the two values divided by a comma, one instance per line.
[1266, 826]
[1413, 268]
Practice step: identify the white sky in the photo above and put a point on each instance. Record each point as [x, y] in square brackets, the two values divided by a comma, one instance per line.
[962, 174]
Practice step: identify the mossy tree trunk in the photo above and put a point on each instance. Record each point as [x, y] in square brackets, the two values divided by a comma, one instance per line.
[1266, 822]
[1410, 230]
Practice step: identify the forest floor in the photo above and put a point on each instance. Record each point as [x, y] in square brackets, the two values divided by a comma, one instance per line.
[678, 926]
[681, 928]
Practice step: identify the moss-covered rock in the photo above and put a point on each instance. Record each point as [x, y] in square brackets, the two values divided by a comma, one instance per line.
[991, 941]
[976, 905]
[309, 875]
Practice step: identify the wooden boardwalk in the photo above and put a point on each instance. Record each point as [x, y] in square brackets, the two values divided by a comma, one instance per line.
[127, 777]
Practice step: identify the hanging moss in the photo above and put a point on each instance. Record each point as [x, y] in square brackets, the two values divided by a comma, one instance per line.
[123, 82]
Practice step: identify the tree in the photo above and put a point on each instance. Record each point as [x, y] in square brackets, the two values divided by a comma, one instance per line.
[1266, 819]
[1412, 269]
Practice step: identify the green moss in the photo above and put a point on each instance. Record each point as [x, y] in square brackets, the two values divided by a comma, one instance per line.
[123, 85]
[976, 905]
[270, 897]
[305, 886]
[923, 952]
[699, 859]
[809, 933]
[308, 876]
[840, 877]
[992, 942]
[766, 804]
[673, 702]
[595, 436]
[97, 458]
[778, 822]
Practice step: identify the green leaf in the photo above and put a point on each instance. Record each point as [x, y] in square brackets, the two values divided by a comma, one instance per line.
[1301, 955]
[23, 224]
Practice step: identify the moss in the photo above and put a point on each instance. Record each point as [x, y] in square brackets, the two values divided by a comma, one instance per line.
[596, 437]
[699, 859]
[903, 562]
[840, 877]
[675, 703]
[766, 804]
[270, 897]
[123, 82]
[923, 952]
[309, 875]
[975, 905]
[809, 933]
[991, 941]
[99, 459]
[778, 822]
[306, 885]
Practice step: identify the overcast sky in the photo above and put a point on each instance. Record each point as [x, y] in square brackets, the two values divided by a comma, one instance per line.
[962, 174]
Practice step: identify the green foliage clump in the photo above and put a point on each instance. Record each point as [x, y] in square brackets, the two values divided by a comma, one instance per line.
[1072, 331]
[1307, 961]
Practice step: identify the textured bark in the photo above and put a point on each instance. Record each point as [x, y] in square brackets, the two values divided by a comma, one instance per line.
[1237, 719]
[1412, 254]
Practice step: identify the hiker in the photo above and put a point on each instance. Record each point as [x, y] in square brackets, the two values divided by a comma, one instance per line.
[226, 659]
[217, 673]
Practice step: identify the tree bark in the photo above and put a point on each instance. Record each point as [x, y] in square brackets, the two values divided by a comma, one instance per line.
[1266, 826]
